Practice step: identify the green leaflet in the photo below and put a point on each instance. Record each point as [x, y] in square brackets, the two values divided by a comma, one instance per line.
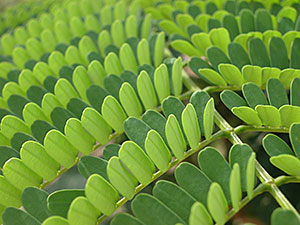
[217, 204]
[235, 187]
[247, 114]
[158, 213]
[289, 114]
[250, 174]
[171, 27]
[112, 64]
[101, 194]
[34, 48]
[120, 178]
[287, 163]
[254, 95]
[60, 149]
[199, 215]
[62, 32]
[64, 91]
[185, 48]
[110, 151]
[278, 53]
[56, 61]
[146, 26]
[232, 99]
[129, 100]
[59, 202]
[95, 125]
[175, 137]
[175, 198]
[143, 53]
[82, 212]
[276, 93]
[20, 57]
[275, 146]
[48, 40]
[55, 220]
[103, 41]
[161, 82]
[294, 138]
[191, 126]
[16, 216]
[269, 115]
[27, 79]
[208, 118]
[49, 103]
[19, 175]
[33, 112]
[34, 201]
[177, 76]
[231, 74]
[113, 113]
[146, 90]
[86, 46]
[213, 77]
[294, 94]
[131, 27]
[201, 42]
[216, 56]
[159, 49]
[35, 157]
[11, 88]
[157, 150]
[284, 216]
[127, 58]
[89, 165]
[6, 153]
[76, 135]
[125, 219]
[287, 76]
[81, 81]
[258, 53]
[11, 125]
[73, 56]
[220, 38]
[137, 162]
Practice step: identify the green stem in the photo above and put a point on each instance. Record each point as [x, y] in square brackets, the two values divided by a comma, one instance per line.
[286, 179]
[122, 201]
[245, 128]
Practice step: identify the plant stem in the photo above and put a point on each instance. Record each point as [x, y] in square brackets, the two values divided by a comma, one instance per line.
[245, 128]
[175, 162]
[261, 172]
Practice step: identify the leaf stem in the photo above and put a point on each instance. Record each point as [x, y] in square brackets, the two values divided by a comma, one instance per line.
[246, 128]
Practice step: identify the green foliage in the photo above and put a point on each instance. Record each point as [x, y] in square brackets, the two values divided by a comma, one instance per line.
[82, 74]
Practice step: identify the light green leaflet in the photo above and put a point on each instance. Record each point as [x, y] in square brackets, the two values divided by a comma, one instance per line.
[127, 58]
[96, 73]
[11, 88]
[199, 215]
[101, 194]
[175, 137]
[185, 47]
[112, 64]
[191, 126]
[289, 114]
[20, 57]
[157, 150]
[235, 187]
[103, 41]
[27, 79]
[161, 82]
[76, 135]
[64, 91]
[62, 32]
[81, 81]
[94, 124]
[12, 124]
[55, 220]
[82, 212]
[35, 157]
[146, 90]
[202, 42]
[269, 115]
[131, 26]
[73, 56]
[10, 195]
[120, 178]
[251, 175]
[208, 118]
[213, 77]
[113, 113]
[146, 26]
[20, 175]
[247, 114]
[287, 163]
[217, 204]
[159, 49]
[177, 76]
[130, 101]
[252, 74]
[143, 52]
[56, 61]
[220, 38]
[48, 40]
[60, 149]
[49, 103]
[137, 162]
[86, 46]
[231, 74]
[171, 27]
[34, 48]
[117, 33]
[33, 112]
